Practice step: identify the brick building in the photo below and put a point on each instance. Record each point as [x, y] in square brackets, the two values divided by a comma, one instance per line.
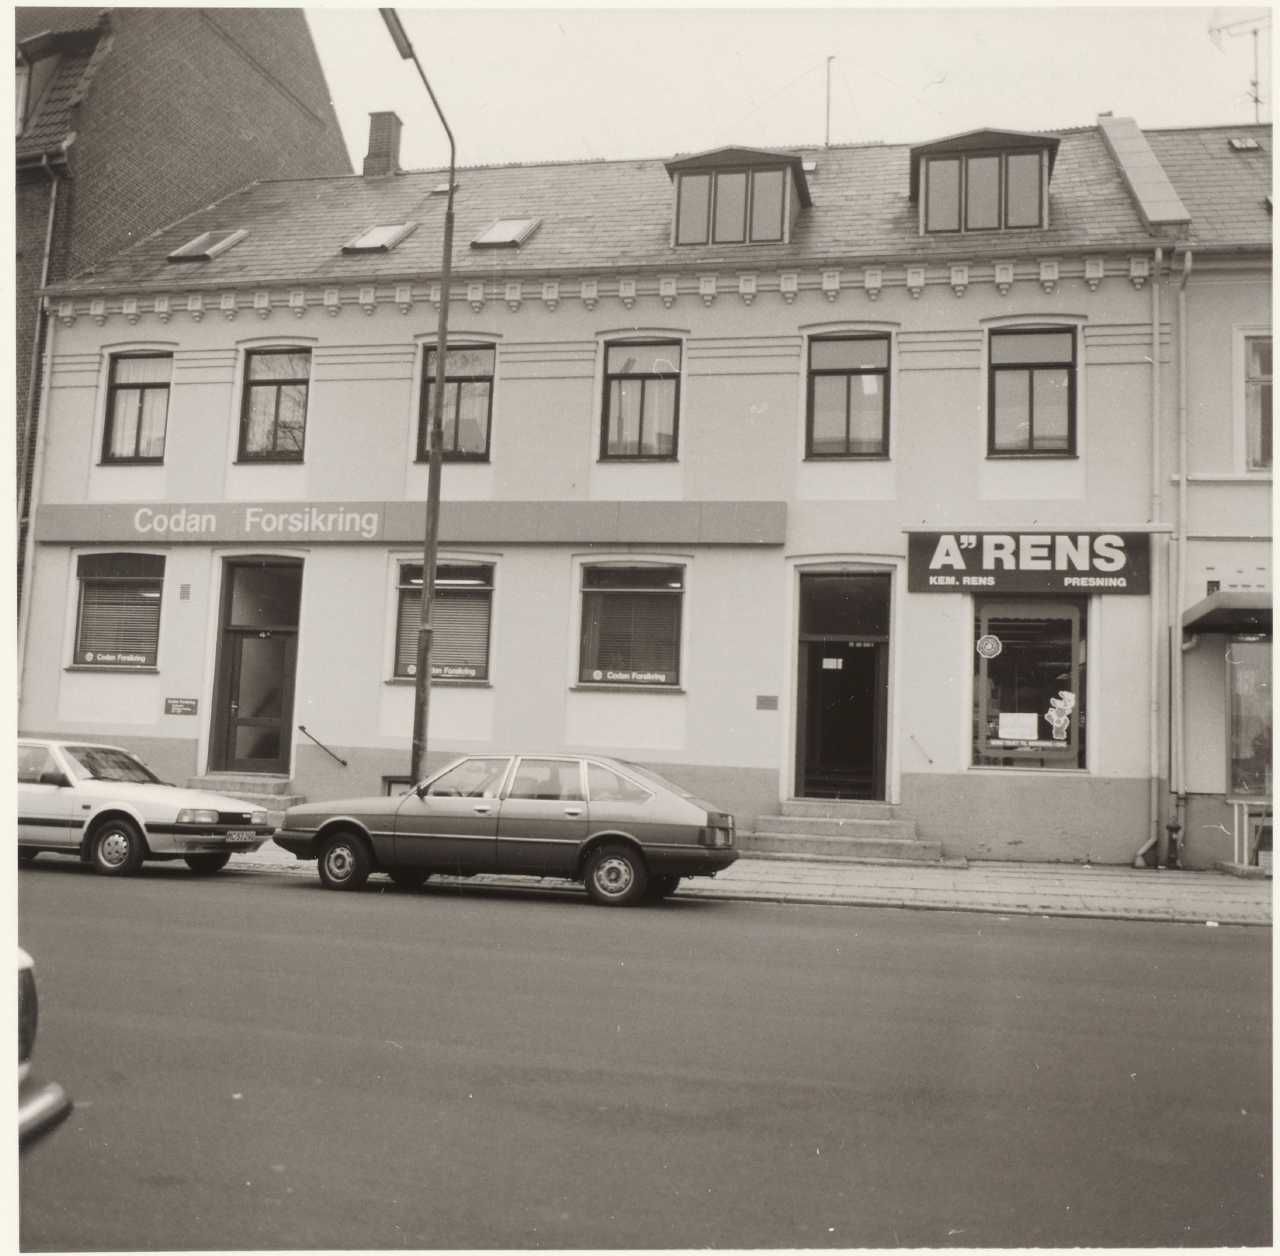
[129, 119]
[866, 490]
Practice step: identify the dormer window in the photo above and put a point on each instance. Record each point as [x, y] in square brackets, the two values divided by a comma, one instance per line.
[207, 245]
[983, 181]
[736, 196]
[379, 239]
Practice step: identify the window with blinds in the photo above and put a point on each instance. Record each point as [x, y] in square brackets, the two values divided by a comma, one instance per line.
[461, 607]
[118, 622]
[631, 625]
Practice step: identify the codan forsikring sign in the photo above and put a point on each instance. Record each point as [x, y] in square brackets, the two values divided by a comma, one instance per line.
[1029, 562]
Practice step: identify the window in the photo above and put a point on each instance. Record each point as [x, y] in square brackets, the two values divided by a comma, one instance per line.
[1029, 683]
[461, 609]
[1249, 735]
[33, 763]
[506, 233]
[472, 778]
[730, 207]
[207, 245]
[605, 785]
[118, 622]
[137, 408]
[379, 239]
[641, 400]
[273, 426]
[1032, 392]
[547, 780]
[848, 397]
[468, 403]
[983, 191]
[1257, 402]
[631, 625]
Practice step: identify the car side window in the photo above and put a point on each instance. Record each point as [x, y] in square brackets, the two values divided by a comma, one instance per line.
[33, 762]
[548, 780]
[605, 785]
[472, 778]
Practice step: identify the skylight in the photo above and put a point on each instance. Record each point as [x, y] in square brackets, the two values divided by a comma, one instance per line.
[1244, 144]
[206, 245]
[506, 233]
[379, 239]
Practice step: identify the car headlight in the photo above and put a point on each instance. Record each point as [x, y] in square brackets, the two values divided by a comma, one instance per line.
[197, 815]
[258, 818]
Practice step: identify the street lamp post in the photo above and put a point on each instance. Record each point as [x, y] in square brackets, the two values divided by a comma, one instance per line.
[431, 536]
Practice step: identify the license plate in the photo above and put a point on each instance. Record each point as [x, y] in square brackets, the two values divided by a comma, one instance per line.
[242, 835]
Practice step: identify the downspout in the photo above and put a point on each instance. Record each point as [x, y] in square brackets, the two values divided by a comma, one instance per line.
[1178, 751]
[1155, 630]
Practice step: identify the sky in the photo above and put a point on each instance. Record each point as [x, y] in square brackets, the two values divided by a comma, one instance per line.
[527, 84]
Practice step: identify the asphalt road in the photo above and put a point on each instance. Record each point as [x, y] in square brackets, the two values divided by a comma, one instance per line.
[259, 1063]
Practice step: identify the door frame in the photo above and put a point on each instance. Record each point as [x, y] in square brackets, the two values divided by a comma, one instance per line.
[226, 669]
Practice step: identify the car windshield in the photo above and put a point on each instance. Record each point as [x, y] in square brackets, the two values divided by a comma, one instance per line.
[646, 775]
[102, 763]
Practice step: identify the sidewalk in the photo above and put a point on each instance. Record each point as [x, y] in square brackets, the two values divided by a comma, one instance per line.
[1112, 893]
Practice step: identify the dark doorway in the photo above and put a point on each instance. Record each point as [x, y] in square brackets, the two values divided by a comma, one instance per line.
[257, 648]
[843, 686]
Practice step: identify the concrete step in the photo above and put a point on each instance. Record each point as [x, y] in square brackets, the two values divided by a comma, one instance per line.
[835, 809]
[235, 784]
[846, 849]
[838, 826]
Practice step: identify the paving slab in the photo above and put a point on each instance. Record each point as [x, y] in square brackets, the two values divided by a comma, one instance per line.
[1114, 893]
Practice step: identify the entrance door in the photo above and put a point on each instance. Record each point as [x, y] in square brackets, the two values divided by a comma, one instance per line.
[843, 686]
[253, 694]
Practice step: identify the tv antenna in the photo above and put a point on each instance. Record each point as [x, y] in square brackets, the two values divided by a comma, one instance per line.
[1244, 26]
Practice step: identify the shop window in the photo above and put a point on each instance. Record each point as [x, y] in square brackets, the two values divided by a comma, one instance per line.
[848, 404]
[1257, 402]
[137, 407]
[468, 403]
[641, 401]
[1029, 683]
[118, 617]
[631, 625]
[1032, 393]
[731, 206]
[462, 606]
[1249, 713]
[273, 423]
[983, 191]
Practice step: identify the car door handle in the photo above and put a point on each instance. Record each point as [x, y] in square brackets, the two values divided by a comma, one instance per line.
[573, 811]
[482, 808]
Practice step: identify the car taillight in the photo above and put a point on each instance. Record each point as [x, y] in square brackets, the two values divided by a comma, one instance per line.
[28, 1014]
[719, 830]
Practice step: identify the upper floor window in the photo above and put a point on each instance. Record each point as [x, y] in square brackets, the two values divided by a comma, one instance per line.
[1032, 392]
[468, 403]
[641, 400]
[273, 423]
[1257, 402]
[118, 618]
[983, 191]
[731, 206]
[848, 409]
[137, 407]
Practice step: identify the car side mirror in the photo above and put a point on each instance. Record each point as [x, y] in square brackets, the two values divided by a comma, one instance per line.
[55, 778]
[420, 790]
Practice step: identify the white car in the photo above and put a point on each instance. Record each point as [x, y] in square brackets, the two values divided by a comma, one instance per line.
[105, 805]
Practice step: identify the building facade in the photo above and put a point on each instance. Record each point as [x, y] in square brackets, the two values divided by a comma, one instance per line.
[129, 119]
[867, 483]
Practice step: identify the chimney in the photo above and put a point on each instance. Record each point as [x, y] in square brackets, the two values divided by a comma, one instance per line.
[384, 144]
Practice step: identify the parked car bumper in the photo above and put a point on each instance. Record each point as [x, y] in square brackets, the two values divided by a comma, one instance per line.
[297, 842]
[193, 839]
[41, 1107]
[690, 862]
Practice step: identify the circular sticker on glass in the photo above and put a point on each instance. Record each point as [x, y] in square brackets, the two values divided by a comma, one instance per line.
[989, 646]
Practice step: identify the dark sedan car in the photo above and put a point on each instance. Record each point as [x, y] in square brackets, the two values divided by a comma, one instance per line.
[622, 830]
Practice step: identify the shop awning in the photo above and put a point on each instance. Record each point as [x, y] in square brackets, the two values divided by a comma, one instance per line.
[1229, 611]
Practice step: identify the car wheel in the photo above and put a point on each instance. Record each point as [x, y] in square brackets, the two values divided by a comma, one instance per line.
[206, 865]
[409, 878]
[117, 849]
[662, 886]
[344, 862]
[25, 856]
[616, 876]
